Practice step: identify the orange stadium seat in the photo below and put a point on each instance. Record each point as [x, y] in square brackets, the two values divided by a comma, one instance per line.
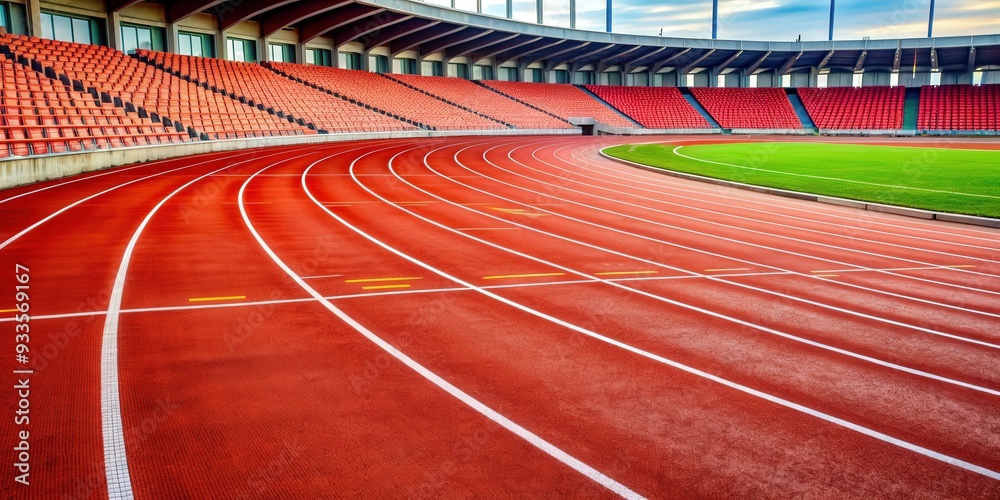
[749, 108]
[848, 108]
[562, 100]
[652, 107]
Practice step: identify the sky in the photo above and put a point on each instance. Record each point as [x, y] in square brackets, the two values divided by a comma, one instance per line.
[775, 20]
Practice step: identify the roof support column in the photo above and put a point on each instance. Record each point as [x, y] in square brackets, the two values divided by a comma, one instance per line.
[833, 6]
[572, 14]
[608, 15]
[715, 19]
[930, 21]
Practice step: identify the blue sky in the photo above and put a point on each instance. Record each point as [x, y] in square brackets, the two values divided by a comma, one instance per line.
[767, 19]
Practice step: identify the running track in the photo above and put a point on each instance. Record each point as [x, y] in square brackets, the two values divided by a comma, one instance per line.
[492, 316]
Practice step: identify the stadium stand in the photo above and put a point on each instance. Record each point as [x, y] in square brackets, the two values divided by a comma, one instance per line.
[748, 108]
[207, 114]
[562, 100]
[382, 93]
[652, 107]
[959, 107]
[468, 94]
[41, 116]
[259, 85]
[848, 108]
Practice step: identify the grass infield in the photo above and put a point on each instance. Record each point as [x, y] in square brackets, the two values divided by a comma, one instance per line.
[943, 180]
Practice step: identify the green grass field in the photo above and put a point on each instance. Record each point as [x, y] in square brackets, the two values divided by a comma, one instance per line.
[944, 180]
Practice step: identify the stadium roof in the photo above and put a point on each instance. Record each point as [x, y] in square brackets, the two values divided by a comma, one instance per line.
[407, 25]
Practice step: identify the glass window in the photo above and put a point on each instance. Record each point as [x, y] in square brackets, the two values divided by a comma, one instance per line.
[145, 38]
[277, 55]
[47, 26]
[406, 66]
[469, 5]
[786, 81]
[823, 81]
[562, 76]
[482, 72]
[495, 7]
[196, 44]
[524, 10]
[752, 81]
[62, 28]
[81, 31]
[4, 17]
[458, 70]
[184, 44]
[556, 13]
[380, 64]
[689, 80]
[130, 40]
[720, 81]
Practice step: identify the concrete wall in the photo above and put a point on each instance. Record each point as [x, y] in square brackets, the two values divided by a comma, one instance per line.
[27, 170]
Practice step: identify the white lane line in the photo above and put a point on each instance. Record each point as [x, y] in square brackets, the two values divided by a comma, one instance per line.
[747, 390]
[849, 181]
[713, 223]
[705, 252]
[119, 481]
[810, 208]
[732, 215]
[321, 276]
[729, 206]
[191, 307]
[470, 401]
[709, 235]
[661, 298]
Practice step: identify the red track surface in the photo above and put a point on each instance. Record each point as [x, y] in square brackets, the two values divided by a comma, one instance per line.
[637, 333]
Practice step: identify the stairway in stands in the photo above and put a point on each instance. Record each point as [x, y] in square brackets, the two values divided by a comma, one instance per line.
[608, 105]
[686, 92]
[800, 110]
[911, 108]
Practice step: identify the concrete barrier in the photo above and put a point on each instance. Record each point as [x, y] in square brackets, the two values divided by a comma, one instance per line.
[18, 171]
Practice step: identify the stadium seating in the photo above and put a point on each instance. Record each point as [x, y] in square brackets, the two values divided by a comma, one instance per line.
[759, 108]
[41, 116]
[382, 93]
[134, 82]
[262, 86]
[652, 107]
[959, 107]
[847, 108]
[562, 100]
[470, 95]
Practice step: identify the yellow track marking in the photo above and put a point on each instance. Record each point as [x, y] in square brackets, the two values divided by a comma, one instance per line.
[727, 270]
[620, 273]
[508, 276]
[383, 287]
[960, 267]
[375, 280]
[212, 299]
[8, 311]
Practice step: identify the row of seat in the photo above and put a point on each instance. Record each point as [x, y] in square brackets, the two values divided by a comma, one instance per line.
[749, 108]
[849, 108]
[112, 72]
[39, 115]
[652, 107]
[959, 107]
[467, 94]
[565, 101]
[383, 93]
[262, 86]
